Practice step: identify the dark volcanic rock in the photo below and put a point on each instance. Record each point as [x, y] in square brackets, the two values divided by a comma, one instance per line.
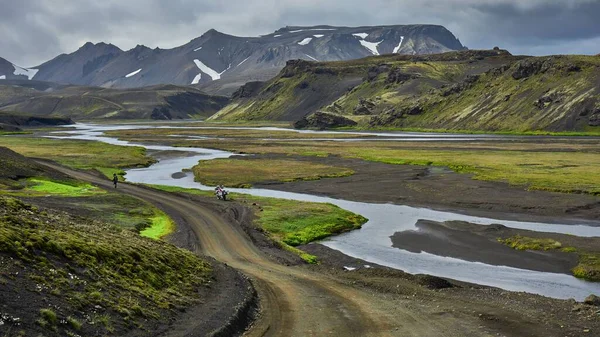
[434, 282]
[248, 90]
[9, 128]
[462, 86]
[548, 99]
[25, 120]
[592, 300]
[394, 116]
[364, 107]
[396, 75]
[323, 120]
[161, 113]
[594, 119]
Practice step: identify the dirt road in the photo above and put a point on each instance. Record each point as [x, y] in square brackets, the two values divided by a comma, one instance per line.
[299, 301]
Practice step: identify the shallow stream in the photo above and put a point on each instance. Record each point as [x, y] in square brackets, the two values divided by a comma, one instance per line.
[372, 242]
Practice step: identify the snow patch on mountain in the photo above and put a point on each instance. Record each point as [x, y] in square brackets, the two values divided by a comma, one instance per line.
[133, 73]
[305, 41]
[3, 77]
[399, 45]
[23, 71]
[197, 48]
[246, 59]
[361, 35]
[196, 79]
[318, 35]
[312, 58]
[278, 35]
[209, 71]
[372, 46]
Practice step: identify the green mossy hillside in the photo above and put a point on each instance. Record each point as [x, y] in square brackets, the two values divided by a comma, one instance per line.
[466, 90]
[93, 277]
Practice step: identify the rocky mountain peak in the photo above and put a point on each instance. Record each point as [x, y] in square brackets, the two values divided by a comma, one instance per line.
[231, 61]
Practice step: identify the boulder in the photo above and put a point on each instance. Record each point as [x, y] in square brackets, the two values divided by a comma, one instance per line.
[592, 300]
[548, 99]
[374, 71]
[527, 68]
[247, 90]
[323, 120]
[397, 76]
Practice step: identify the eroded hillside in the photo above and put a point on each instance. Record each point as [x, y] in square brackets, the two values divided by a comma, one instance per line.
[467, 90]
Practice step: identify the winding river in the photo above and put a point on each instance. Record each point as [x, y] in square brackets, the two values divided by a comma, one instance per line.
[372, 242]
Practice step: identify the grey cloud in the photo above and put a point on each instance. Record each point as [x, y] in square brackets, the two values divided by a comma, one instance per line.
[33, 31]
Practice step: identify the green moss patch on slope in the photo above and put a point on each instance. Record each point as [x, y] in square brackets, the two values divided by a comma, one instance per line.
[68, 276]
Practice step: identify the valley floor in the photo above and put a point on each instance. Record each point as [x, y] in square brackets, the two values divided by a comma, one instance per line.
[315, 300]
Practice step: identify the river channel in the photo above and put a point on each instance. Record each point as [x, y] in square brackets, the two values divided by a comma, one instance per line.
[372, 242]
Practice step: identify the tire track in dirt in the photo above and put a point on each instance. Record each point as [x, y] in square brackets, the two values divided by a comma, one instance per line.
[296, 301]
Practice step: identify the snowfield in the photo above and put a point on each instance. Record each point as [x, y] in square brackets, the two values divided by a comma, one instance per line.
[208, 71]
[197, 48]
[305, 41]
[278, 35]
[3, 77]
[23, 71]
[318, 35]
[372, 46]
[196, 79]
[133, 73]
[361, 35]
[399, 45]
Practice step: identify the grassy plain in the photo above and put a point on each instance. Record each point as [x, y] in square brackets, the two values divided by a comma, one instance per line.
[244, 173]
[559, 164]
[80, 154]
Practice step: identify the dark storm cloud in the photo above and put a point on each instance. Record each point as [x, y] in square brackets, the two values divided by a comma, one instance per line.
[33, 31]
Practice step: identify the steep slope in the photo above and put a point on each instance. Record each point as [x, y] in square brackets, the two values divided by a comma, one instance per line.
[76, 67]
[158, 102]
[219, 63]
[471, 90]
[10, 71]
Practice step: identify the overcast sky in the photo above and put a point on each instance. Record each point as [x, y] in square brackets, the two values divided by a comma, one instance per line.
[34, 31]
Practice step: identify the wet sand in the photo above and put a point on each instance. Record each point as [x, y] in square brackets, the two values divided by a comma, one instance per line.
[478, 243]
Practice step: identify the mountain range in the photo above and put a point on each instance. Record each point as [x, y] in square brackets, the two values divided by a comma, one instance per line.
[219, 63]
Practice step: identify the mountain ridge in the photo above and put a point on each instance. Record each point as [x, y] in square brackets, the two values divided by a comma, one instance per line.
[219, 63]
[485, 90]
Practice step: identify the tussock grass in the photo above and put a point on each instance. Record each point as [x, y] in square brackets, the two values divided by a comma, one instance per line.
[589, 263]
[243, 172]
[88, 263]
